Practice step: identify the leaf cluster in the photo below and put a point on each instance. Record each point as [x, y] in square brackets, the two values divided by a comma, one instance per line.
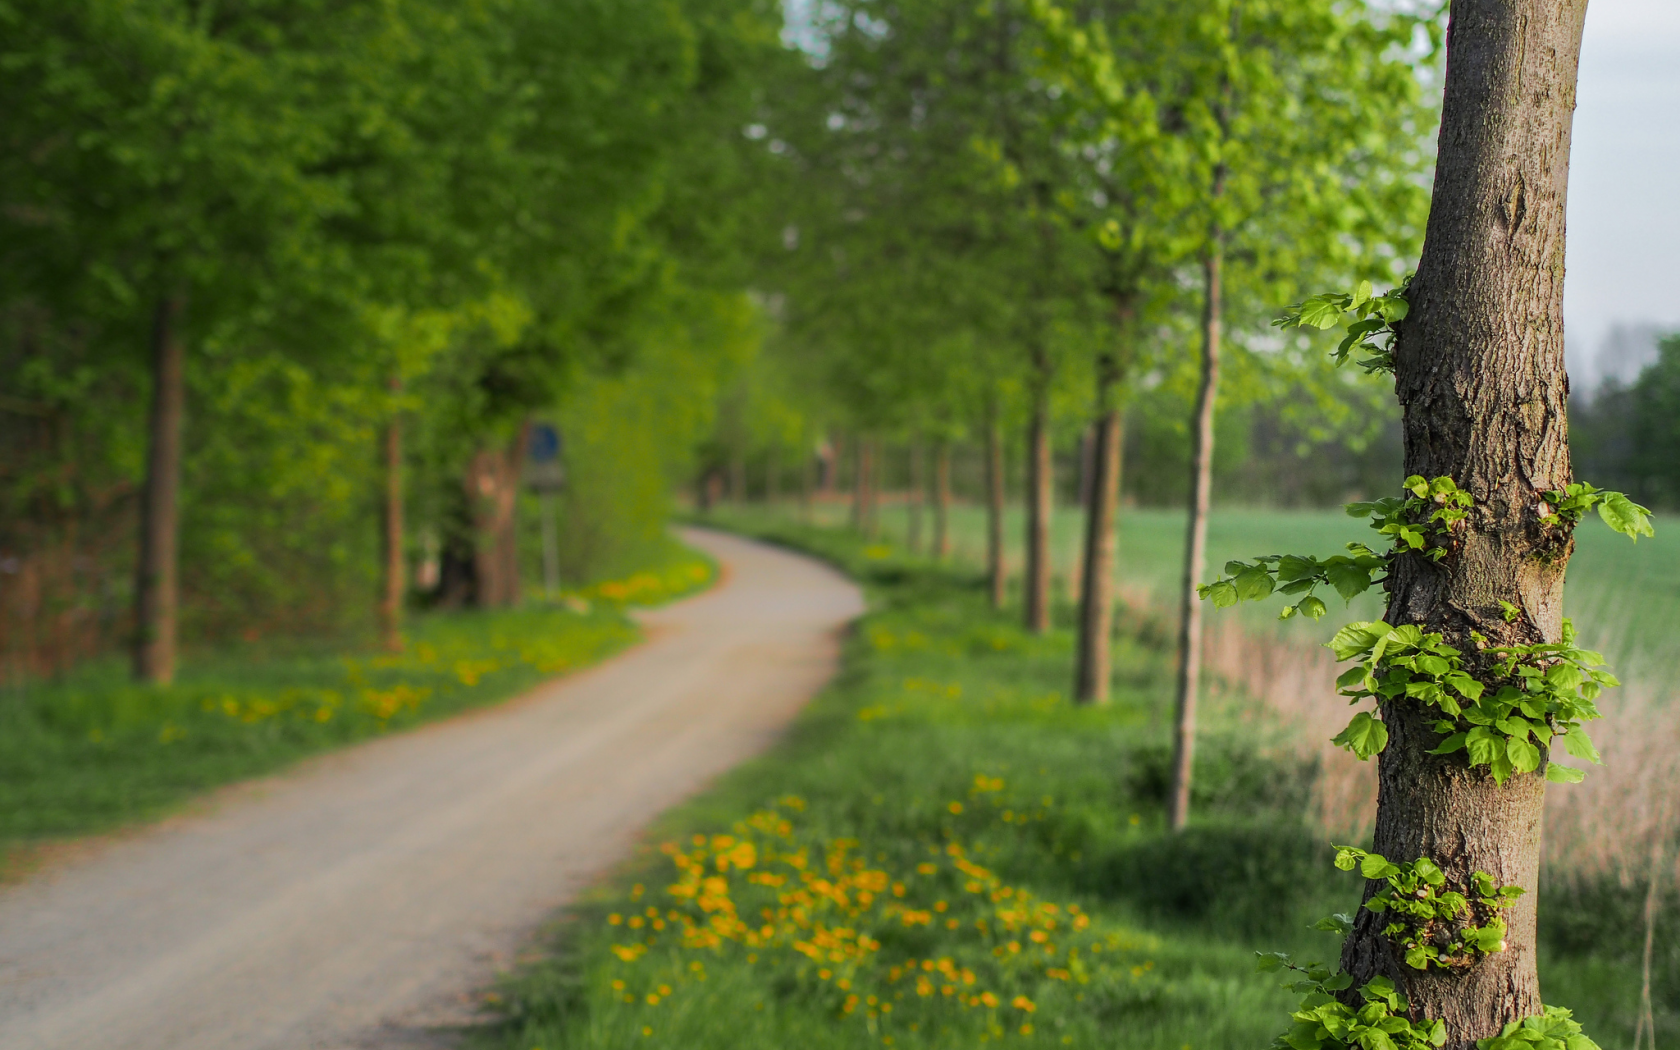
[1324, 1022]
[1539, 694]
[1425, 914]
[1556, 1029]
[1370, 317]
[1571, 503]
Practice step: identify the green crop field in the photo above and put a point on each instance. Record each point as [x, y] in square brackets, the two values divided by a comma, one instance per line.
[946, 853]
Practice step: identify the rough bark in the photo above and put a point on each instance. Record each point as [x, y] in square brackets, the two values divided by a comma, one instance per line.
[1036, 585]
[390, 605]
[996, 572]
[942, 501]
[1195, 540]
[918, 485]
[157, 582]
[1096, 590]
[1480, 378]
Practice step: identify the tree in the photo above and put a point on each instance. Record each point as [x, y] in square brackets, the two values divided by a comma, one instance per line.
[1479, 371]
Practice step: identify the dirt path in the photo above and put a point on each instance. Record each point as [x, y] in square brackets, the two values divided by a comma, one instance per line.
[357, 901]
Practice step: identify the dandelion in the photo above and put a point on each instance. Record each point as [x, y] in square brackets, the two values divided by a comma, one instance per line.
[1021, 1002]
[989, 1000]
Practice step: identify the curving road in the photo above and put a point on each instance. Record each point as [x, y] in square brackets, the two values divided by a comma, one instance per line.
[359, 900]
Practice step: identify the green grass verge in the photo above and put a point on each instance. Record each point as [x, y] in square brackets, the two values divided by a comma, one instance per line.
[94, 750]
[945, 852]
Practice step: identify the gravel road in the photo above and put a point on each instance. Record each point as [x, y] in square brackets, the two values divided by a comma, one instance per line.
[360, 899]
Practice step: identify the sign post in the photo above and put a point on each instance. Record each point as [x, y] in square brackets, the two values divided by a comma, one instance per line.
[545, 474]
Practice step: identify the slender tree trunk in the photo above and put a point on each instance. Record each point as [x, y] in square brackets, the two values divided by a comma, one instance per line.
[738, 477]
[996, 572]
[917, 486]
[942, 501]
[857, 485]
[157, 583]
[1096, 590]
[1039, 480]
[1480, 378]
[807, 486]
[772, 477]
[492, 491]
[1195, 540]
[390, 606]
[1087, 460]
[508, 537]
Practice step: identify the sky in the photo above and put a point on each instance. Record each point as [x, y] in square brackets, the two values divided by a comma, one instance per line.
[1624, 182]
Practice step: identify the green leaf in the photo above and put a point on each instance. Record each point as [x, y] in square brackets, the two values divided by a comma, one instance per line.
[1563, 774]
[1311, 607]
[1524, 756]
[1364, 736]
[1348, 577]
[1337, 923]
[1357, 638]
[1625, 516]
[1449, 745]
[1577, 743]
[1253, 584]
[1271, 961]
[1361, 295]
[1223, 594]
[1322, 311]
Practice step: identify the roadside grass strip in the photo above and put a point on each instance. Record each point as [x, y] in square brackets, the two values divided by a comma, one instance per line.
[95, 750]
[944, 852]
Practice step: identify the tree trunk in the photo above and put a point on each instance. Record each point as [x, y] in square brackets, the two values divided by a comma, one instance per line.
[1480, 378]
[1039, 479]
[917, 485]
[942, 501]
[1195, 541]
[772, 477]
[492, 492]
[860, 491]
[390, 606]
[157, 582]
[996, 572]
[1096, 590]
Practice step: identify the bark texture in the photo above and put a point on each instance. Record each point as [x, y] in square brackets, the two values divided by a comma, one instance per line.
[493, 493]
[1195, 541]
[157, 577]
[1039, 481]
[390, 605]
[1480, 377]
[996, 572]
[1096, 590]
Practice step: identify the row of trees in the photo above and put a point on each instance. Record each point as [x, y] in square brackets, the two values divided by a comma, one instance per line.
[1014, 215]
[278, 279]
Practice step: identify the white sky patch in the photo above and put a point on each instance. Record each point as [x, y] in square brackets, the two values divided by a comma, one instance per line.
[1624, 180]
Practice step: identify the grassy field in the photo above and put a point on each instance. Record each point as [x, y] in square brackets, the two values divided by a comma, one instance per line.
[946, 853]
[1638, 638]
[93, 750]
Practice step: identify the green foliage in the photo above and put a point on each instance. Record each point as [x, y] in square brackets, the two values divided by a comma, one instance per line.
[1370, 318]
[1529, 696]
[1556, 1029]
[1324, 1022]
[1617, 511]
[1431, 924]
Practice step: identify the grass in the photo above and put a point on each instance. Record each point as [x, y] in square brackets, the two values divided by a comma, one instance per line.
[945, 853]
[93, 750]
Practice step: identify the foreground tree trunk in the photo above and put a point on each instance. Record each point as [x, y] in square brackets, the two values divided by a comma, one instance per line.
[1039, 479]
[1096, 589]
[1195, 538]
[996, 572]
[157, 576]
[390, 605]
[942, 501]
[1480, 377]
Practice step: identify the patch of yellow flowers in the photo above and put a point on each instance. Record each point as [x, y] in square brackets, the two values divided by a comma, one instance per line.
[944, 941]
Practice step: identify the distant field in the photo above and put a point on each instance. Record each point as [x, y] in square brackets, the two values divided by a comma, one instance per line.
[1639, 639]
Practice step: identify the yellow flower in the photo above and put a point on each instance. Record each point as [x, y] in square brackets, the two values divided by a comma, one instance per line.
[989, 999]
[1021, 1002]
